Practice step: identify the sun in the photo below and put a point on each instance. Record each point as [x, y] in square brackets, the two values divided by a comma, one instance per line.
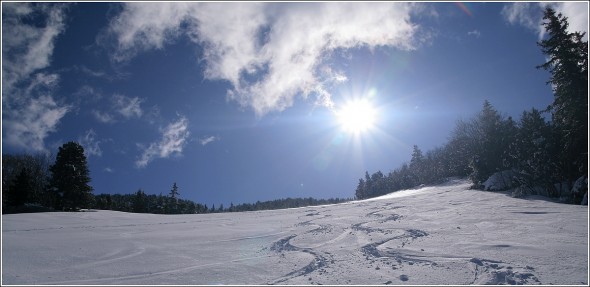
[357, 116]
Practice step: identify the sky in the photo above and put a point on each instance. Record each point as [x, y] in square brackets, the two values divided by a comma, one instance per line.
[239, 102]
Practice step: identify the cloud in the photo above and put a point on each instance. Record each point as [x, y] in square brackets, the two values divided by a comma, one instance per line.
[108, 169]
[530, 15]
[27, 48]
[577, 13]
[90, 143]
[103, 117]
[28, 127]
[174, 137]
[126, 106]
[207, 140]
[30, 112]
[270, 53]
[474, 33]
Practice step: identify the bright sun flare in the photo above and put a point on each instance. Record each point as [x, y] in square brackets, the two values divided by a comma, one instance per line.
[357, 116]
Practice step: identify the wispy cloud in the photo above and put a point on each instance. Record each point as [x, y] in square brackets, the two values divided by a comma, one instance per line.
[127, 106]
[109, 170]
[30, 112]
[474, 33]
[90, 143]
[207, 140]
[27, 48]
[33, 122]
[174, 137]
[103, 117]
[530, 15]
[271, 53]
[121, 106]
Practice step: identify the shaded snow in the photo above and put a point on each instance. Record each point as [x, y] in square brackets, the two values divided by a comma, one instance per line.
[501, 180]
[433, 235]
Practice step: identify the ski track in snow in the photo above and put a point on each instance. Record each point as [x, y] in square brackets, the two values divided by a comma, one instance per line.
[433, 235]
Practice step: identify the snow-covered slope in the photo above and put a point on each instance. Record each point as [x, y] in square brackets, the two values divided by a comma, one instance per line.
[434, 235]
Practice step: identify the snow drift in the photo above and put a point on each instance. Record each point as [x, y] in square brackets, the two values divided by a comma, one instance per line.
[433, 235]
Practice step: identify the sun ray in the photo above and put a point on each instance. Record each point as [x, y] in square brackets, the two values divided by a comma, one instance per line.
[357, 116]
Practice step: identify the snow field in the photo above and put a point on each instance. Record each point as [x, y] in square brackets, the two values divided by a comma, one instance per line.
[434, 235]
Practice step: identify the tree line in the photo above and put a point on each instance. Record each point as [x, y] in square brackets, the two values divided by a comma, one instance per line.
[31, 183]
[140, 202]
[32, 179]
[538, 153]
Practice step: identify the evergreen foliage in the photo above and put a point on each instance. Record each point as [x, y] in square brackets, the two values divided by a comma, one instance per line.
[19, 190]
[532, 151]
[568, 64]
[70, 178]
[37, 167]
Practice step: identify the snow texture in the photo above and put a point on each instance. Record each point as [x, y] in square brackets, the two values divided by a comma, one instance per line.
[501, 180]
[446, 234]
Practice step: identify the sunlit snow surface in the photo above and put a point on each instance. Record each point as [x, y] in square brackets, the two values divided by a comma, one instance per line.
[434, 235]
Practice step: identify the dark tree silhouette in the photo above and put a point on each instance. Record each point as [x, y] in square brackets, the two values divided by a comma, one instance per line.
[19, 190]
[568, 64]
[70, 177]
[37, 167]
[174, 191]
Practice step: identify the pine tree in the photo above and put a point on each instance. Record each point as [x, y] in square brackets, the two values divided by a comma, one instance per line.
[37, 166]
[490, 140]
[416, 165]
[174, 192]
[568, 65]
[531, 150]
[70, 177]
[140, 202]
[173, 202]
[360, 190]
[18, 192]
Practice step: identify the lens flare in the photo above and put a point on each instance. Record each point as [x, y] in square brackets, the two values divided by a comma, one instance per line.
[357, 116]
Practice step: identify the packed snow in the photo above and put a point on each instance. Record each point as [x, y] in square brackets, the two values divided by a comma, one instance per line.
[445, 234]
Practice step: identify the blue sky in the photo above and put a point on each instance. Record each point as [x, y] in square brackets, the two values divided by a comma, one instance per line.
[237, 102]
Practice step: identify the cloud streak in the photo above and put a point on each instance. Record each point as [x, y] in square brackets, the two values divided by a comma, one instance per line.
[270, 53]
[127, 107]
[90, 143]
[172, 142]
[30, 113]
[29, 127]
[121, 105]
[207, 140]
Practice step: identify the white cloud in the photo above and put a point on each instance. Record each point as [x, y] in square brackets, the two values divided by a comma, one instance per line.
[127, 106]
[207, 140]
[28, 126]
[103, 117]
[27, 48]
[30, 112]
[271, 53]
[90, 143]
[109, 170]
[174, 137]
[577, 13]
[530, 15]
[474, 33]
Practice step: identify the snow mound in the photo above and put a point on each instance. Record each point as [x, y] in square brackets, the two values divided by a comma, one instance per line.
[499, 181]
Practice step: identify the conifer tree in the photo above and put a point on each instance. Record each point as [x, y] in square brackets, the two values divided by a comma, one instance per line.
[18, 192]
[70, 177]
[174, 192]
[568, 64]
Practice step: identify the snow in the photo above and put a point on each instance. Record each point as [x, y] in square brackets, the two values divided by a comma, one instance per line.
[501, 180]
[444, 234]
